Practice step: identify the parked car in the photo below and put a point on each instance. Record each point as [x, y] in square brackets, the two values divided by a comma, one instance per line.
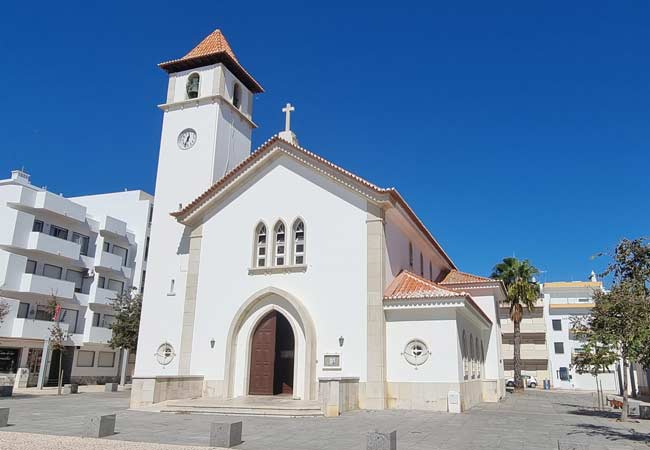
[530, 381]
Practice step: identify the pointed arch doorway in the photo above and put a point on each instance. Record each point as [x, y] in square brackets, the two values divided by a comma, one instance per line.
[272, 356]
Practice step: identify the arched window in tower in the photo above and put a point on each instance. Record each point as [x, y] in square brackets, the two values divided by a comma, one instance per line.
[421, 265]
[260, 245]
[299, 242]
[192, 87]
[236, 96]
[280, 244]
[411, 256]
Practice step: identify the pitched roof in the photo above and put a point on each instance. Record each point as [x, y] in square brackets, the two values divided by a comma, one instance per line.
[211, 50]
[409, 285]
[458, 277]
[270, 146]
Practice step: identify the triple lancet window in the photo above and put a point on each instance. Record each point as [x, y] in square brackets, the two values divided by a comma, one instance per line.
[283, 253]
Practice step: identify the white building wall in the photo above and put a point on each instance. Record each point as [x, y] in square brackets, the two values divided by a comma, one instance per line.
[438, 331]
[332, 289]
[21, 204]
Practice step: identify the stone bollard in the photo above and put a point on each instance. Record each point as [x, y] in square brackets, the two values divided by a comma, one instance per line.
[4, 417]
[71, 389]
[6, 391]
[225, 434]
[644, 411]
[99, 426]
[110, 387]
[381, 441]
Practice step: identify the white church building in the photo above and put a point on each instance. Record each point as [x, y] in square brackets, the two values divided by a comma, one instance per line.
[279, 273]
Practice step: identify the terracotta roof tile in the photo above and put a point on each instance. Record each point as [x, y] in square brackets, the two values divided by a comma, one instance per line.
[211, 50]
[215, 42]
[409, 285]
[458, 277]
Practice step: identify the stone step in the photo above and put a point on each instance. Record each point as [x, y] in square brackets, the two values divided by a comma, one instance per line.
[244, 411]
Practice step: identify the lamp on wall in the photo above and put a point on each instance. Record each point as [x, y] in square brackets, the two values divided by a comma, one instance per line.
[341, 341]
[212, 343]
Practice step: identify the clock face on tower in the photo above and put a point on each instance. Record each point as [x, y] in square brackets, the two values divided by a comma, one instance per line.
[186, 139]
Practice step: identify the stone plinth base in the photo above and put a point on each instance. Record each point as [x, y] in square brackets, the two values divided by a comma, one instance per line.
[338, 394]
[147, 391]
[4, 417]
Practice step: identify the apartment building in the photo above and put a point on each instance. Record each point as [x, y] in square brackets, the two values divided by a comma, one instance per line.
[564, 301]
[82, 250]
[534, 352]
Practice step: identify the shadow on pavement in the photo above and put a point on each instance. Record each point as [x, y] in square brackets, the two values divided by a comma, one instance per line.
[612, 434]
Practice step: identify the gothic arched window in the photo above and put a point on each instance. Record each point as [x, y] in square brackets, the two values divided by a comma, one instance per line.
[464, 351]
[260, 245]
[421, 265]
[299, 242]
[236, 96]
[280, 244]
[430, 271]
[411, 256]
[192, 87]
[471, 354]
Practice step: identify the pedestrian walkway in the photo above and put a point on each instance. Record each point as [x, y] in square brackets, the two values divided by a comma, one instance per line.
[530, 421]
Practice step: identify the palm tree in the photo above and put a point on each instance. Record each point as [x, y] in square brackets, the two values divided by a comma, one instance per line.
[522, 291]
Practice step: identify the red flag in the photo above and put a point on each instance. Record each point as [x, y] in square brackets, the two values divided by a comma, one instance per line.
[57, 311]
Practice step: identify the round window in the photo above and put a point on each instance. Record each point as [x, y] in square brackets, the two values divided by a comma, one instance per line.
[165, 354]
[416, 352]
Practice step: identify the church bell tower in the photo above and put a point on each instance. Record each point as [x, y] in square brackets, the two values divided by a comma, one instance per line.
[207, 123]
[206, 132]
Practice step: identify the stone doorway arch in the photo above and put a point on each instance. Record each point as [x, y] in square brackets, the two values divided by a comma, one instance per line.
[240, 337]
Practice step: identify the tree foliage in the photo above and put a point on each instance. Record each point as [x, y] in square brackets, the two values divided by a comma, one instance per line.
[522, 292]
[125, 327]
[619, 325]
[4, 310]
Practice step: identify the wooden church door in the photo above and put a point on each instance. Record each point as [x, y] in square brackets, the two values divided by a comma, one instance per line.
[263, 356]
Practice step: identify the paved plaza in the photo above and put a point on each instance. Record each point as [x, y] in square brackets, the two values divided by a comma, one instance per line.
[533, 420]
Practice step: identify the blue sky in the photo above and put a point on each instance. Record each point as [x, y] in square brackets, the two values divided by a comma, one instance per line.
[511, 128]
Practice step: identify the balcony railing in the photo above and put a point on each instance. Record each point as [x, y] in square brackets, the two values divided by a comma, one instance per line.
[60, 206]
[110, 261]
[52, 245]
[103, 296]
[34, 329]
[38, 284]
[99, 335]
[112, 226]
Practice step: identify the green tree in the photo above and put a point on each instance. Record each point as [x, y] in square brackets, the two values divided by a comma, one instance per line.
[57, 336]
[128, 308]
[618, 328]
[522, 292]
[619, 324]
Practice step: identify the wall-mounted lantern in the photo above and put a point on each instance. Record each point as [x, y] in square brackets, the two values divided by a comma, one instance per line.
[341, 341]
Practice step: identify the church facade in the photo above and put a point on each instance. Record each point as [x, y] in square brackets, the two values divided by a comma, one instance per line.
[278, 272]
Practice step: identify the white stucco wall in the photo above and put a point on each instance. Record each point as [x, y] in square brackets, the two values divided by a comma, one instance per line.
[332, 289]
[439, 333]
[223, 140]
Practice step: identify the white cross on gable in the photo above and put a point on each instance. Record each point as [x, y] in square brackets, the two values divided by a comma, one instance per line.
[287, 120]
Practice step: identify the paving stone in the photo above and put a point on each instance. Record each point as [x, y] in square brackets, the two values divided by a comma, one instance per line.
[381, 441]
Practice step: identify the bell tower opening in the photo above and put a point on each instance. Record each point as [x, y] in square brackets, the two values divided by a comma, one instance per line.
[272, 356]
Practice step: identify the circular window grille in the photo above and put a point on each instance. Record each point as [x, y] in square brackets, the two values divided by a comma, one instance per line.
[165, 354]
[416, 352]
